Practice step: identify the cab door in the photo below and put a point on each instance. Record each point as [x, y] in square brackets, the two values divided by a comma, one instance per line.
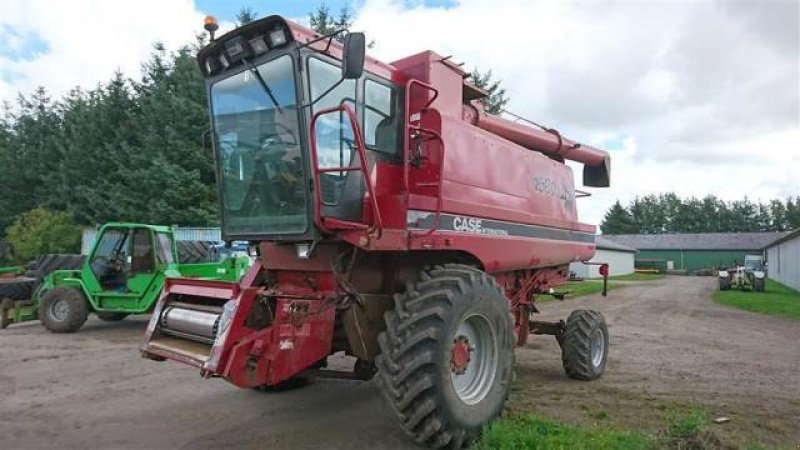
[142, 268]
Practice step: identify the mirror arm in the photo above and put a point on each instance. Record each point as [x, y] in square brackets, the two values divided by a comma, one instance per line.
[327, 91]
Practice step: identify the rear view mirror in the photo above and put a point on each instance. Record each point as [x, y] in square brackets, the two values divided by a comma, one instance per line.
[354, 54]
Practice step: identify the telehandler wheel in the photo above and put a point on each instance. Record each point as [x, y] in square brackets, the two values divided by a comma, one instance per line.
[759, 284]
[63, 310]
[584, 346]
[447, 355]
[6, 308]
[111, 316]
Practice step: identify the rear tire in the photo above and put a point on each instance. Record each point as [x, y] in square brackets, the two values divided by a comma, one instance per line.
[724, 283]
[447, 355]
[6, 307]
[584, 348]
[111, 316]
[63, 310]
[759, 284]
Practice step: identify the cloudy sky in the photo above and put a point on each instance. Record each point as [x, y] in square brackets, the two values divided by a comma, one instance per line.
[693, 97]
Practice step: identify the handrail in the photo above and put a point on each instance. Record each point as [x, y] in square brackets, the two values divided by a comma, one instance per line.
[362, 167]
[406, 147]
[437, 219]
[407, 135]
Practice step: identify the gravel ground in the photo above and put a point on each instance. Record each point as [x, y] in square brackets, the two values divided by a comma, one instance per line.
[671, 346]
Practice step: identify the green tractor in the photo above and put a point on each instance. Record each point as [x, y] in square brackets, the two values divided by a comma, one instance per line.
[123, 274]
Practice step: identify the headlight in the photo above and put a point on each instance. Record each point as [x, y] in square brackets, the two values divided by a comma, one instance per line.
[224, 61]
[277, 37]
[258, 45]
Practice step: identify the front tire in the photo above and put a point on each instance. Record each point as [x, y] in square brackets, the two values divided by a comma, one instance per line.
[111, 316]
[447, 355]
[584, 347]
[63, 310]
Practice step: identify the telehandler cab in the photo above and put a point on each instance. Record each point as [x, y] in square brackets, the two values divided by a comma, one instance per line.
[395, 221]
[123, 274]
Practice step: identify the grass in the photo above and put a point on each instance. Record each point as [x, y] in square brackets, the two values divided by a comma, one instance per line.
[579, 288]
[682, 429]
[777, 300]
[535, 433]
[638, 277]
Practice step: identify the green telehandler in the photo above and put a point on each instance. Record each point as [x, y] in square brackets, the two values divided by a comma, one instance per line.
[123, 274]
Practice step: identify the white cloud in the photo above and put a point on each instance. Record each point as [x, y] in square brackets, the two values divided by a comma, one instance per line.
[702, 95]
[706, 94]
[86, 41]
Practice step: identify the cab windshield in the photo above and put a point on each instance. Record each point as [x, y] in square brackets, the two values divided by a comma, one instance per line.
[258, 151]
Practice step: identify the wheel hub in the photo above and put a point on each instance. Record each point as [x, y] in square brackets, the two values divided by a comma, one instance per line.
[460, 355]
[59, 309]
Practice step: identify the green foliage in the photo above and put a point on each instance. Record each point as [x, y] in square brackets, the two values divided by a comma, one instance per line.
[496, 101]
[777, 300]
[686, 424]
[579, 289]
[638, 277]
[42, 230]
[323, 21]
[127, 150]
[533, 433]
[668, 213]
[245, 16]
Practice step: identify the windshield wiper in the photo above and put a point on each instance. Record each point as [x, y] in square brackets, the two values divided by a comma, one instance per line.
[263, 84]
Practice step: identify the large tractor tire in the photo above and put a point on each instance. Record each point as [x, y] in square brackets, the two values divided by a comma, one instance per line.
[193, 252]
[111, 316]
[759, 284]
[63, 310]
[44, 264]
[584, 347]
[447, 355]
[19, 288]
[6, 309]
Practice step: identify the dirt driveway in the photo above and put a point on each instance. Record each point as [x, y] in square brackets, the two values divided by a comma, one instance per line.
[671, 346]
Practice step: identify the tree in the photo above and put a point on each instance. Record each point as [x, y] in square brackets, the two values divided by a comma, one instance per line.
[497, 99]
[245, 15]
[42, 230]
[668, 213]
[618, 221]
[324, 22]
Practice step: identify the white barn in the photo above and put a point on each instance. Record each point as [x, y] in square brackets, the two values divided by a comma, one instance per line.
[619, 258]
[783, 260]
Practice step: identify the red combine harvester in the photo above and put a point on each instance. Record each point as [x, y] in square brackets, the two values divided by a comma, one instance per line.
[394, 221]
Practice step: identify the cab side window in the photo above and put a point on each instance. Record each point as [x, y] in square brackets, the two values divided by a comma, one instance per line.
[322, 76]
[381, 127]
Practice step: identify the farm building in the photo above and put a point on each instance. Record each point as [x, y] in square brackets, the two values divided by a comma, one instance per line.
[619, 258]
[692, 252]
[783, 260]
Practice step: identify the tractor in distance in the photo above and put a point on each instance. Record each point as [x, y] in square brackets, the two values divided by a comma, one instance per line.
[750, 276]
[394, 221]
[123, 274]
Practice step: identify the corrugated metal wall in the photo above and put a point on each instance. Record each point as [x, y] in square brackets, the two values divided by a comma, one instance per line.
[698, 259]
[619, 263]
[783, 263]
[181, 234]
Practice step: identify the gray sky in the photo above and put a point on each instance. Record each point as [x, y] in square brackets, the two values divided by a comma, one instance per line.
[696, 97]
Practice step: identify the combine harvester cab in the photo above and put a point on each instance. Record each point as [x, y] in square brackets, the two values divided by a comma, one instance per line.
[394, 221]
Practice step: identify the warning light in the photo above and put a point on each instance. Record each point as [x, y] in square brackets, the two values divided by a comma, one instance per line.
[210, 24]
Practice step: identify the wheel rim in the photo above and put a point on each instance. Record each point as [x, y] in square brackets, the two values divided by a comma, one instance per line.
[473, 359]
[59, 309]
[598, 347]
